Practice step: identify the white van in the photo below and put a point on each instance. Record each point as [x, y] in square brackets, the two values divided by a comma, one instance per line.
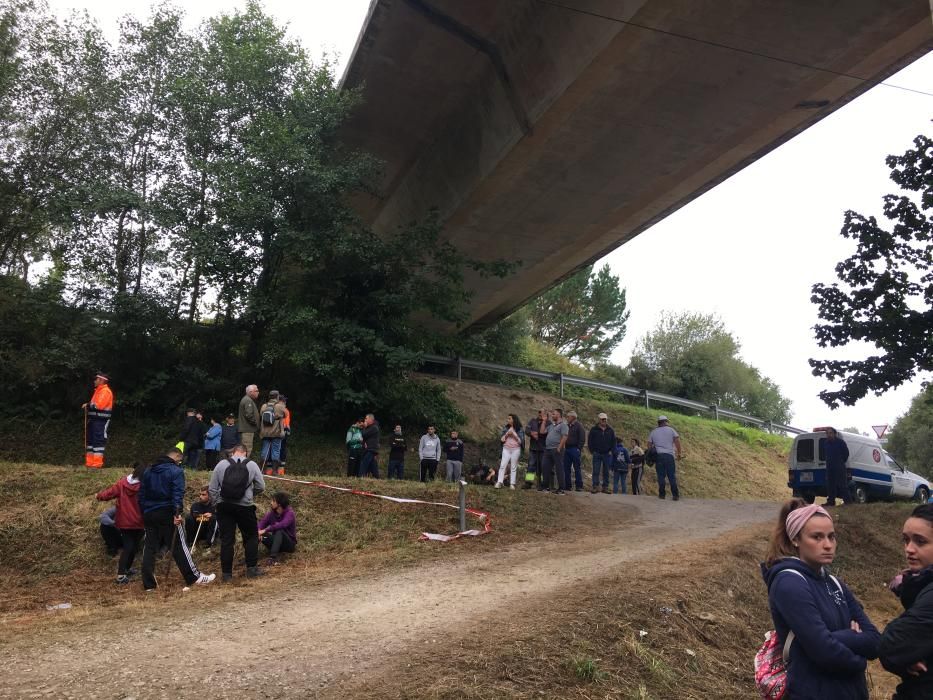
[873, 474]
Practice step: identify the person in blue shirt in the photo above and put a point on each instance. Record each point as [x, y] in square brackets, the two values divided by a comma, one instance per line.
[212, 444]
[832, 638]
[620, 464]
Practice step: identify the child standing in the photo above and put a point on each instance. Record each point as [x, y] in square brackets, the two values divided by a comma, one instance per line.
[277, 529]
[620, 465]
[128, 519]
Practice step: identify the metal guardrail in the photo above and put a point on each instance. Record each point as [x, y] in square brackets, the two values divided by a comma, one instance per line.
[642, 394]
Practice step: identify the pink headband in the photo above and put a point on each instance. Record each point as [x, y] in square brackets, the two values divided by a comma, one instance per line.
[796, 519]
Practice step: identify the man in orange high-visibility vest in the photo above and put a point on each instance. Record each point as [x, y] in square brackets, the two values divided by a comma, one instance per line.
[97, 420]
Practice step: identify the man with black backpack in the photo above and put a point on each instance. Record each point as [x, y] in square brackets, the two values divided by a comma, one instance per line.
[234, 483]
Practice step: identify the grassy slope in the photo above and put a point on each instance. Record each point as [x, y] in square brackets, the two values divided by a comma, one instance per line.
[703, 612]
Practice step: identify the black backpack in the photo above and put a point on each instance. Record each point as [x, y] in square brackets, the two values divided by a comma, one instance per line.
[268, 415]
[236, 481]
[651, 456]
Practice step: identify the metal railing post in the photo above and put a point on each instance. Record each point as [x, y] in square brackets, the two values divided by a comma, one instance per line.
[562, 385]
[647, 401]
[462, 505]
[715, 409]
[459, 368]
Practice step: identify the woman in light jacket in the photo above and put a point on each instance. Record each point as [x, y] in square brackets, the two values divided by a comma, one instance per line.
[833, 638]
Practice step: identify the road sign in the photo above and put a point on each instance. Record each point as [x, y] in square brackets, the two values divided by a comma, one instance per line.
[880, 430]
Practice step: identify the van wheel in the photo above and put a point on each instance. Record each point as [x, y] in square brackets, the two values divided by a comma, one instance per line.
[923, 495]
[861, 494]
[808, 497]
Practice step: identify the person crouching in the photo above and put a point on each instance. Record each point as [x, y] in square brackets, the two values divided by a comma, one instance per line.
[277, 529]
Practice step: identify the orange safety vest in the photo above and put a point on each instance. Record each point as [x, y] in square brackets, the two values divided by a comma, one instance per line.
[287, 420]
[101, 404]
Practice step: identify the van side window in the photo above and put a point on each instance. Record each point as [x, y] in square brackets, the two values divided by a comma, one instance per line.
[805, 450]
[822, 449]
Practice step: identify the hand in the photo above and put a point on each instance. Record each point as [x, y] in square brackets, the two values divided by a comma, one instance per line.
[854, 626]
[917, 668]
[177, 520]
[84, 407]
[262, 532]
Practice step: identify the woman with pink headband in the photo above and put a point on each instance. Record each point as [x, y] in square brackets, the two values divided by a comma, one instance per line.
[831, 638]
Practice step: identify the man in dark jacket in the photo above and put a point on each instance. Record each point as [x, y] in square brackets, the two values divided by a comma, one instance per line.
[229, 436]
[192, 434]
[161, 500]
[536, 430]
[602, 444]
[397, 454]
[576, 439]
[369, 464]
[837, 454]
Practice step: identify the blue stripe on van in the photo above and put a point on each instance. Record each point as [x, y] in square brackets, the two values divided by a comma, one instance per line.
[872, 476]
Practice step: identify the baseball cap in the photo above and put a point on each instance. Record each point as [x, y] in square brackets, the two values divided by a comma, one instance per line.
[603, 416]
[662, 418]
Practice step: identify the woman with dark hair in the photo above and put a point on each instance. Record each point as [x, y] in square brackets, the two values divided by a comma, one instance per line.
[825, 633]
[637, 455]
[277, 529]
[128, 519]
[907, 643]
[512, 438]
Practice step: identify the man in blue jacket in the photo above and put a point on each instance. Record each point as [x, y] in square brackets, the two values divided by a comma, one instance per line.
[837, 454]
[161, 500]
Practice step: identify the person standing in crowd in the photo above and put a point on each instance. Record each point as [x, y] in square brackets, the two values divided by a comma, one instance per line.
[513, 439]
[837, 454]
[602, 444]
[234, 484]
[667, 443]
[161, 500]
[271, 430]
[128, 519]
[620, 466]
[536, 430]
[832, 637]
[229, 435]
[554, 444]
[97, 414]
[354, 447]
[369, 464]
[201, 523]
[907, 642]
[453, 451]
[248, 418]
[397, 449]
[638, 466]
[192, 435]
[277, 529]
[429, 452]
[286, 432]
[212, 444]
[576, 439]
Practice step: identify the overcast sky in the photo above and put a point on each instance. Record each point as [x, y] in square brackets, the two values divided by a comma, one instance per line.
[749, 250]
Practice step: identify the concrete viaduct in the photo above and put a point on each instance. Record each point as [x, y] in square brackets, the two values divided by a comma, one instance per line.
[553, 131]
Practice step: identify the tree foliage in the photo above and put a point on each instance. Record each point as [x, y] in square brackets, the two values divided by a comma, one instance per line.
[911, 440]
[693, 356]
[186, 197]
[884, 293]
[583, 317]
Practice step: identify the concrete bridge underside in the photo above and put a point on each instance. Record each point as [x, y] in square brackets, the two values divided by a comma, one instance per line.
[546, 133]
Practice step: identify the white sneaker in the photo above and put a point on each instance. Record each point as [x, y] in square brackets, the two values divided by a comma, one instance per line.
[512, 487]
[205, 579]
[498, 484]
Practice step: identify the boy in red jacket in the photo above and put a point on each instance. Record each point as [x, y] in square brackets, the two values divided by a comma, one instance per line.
[129, 519]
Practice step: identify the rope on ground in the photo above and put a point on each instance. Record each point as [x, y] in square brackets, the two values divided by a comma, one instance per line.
[483, 517]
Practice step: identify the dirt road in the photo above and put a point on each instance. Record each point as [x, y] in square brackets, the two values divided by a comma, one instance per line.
[313, 641]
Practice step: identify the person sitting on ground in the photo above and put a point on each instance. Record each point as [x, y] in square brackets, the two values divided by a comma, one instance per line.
[832, 637]
[907, 642]
[620, 465]
[201, 514]
[453, 450]
[129, 519]
[277, 529]
[483, 474]
[109, 532]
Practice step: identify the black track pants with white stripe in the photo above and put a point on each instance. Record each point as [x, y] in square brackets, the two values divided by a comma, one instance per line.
[161, 531]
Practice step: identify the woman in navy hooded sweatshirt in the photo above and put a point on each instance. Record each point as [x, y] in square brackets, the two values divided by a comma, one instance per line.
[833, 638]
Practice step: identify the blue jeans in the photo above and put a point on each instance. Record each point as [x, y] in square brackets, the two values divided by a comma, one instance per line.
[619, 475]
[572, 459]
[396, 467]
[271, 449]
[604, 460]
[369, 464]
[666, 466]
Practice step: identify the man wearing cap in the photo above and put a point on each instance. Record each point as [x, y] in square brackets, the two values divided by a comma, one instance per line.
[97, 413]
[576, 439]
[602, 443]
[248, 420]
[667, 443]
[229, 435]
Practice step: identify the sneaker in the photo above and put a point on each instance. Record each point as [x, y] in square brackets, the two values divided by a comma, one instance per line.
[594, 490]
[123, 579]
[226, 578]
[205, 579]
[605, 491]
[498, 484]
[254, 572]
[512, 487]
[150, 590]
[661, 497]
[541, 488]
[579, 488]
[559, 492]
[676, 498]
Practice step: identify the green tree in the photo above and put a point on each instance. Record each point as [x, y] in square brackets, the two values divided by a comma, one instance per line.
[693, 356]
[884, 293]
[911, 439]
[583, 317]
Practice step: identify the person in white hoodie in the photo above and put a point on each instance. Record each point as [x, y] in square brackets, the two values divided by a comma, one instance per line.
[429, 452]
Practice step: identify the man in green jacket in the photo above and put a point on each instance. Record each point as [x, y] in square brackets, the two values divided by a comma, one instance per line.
[248, 419]
[354, 447]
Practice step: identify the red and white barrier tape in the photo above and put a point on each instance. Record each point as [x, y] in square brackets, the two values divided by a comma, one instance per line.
[483, 517]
